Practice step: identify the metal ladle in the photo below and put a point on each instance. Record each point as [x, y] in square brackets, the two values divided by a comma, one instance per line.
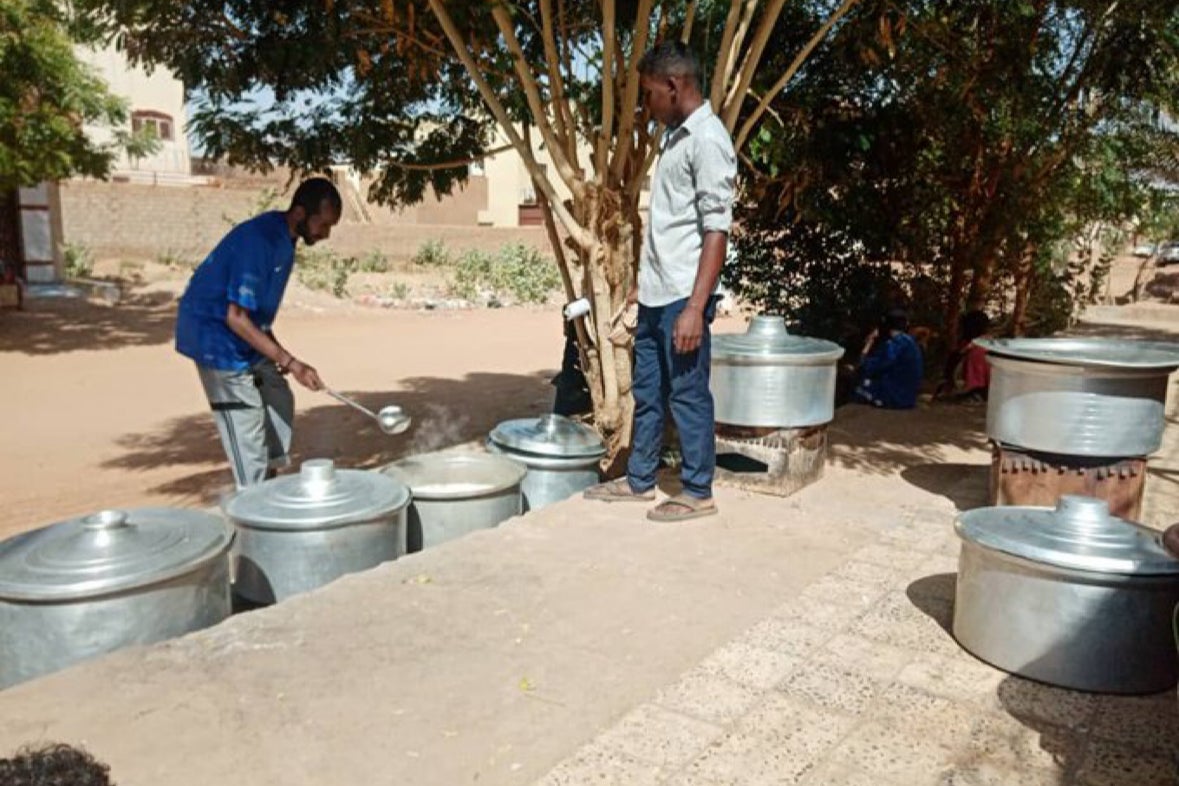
[392, 419]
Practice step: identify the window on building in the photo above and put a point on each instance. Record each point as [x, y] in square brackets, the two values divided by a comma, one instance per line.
[161, 123]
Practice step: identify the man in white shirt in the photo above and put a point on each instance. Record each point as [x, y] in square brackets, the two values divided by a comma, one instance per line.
[683, 252]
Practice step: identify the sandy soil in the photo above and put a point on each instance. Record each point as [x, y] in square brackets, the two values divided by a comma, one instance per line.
[101, 412]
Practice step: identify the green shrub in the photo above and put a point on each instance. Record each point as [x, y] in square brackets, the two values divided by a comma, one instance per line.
[472, 273]
[516, 270]
[432, 253]
[325, 270]
[79, 261]
[375, 262]
[399, 290]
[521, 270]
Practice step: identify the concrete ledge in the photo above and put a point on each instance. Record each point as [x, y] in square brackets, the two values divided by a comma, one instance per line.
[487, 659]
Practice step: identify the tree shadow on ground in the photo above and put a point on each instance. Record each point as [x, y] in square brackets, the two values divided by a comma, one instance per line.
[966, 485]
[445, 412]
[885, 442]
[52, 325]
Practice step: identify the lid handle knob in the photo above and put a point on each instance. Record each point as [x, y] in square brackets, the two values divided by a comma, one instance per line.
[550, 423]
[1082, 512]
[106, 520]
[767, 326]
[317, 474]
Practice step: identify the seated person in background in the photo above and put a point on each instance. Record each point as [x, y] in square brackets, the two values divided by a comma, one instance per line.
[54, 764]
[891, 365]
[968, 376]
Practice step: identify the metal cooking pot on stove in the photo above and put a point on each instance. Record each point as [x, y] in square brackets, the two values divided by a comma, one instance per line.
[301, 531]
[1071, 596]
[562, 456]
[91, 585]
[1079, 396]
[455, 493]
[766, 377]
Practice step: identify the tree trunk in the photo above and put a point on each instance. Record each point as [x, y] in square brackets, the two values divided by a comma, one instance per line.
[604, 274]
[1024, 281]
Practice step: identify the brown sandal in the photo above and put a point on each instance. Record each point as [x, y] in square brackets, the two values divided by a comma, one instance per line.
[681, 508]
[618, 490]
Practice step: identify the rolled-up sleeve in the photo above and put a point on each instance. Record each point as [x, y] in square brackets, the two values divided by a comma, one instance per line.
[715, 167]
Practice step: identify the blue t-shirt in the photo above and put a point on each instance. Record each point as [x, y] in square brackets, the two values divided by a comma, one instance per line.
[894, 371]
[250, 267]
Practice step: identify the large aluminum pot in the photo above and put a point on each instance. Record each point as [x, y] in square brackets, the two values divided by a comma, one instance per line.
[1070, 596]
[84, 587]
[1079, 397]
[454, 494]
[768, 378]
[299, 532]
[562, 456]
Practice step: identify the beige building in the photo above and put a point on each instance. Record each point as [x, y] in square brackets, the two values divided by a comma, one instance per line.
[511, 197]
[33, 232]
[155, 101]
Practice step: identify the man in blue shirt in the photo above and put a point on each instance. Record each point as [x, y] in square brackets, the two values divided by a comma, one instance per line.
[225, 324]
[891, 371]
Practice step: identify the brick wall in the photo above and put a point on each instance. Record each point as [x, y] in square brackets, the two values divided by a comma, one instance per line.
[125, 219]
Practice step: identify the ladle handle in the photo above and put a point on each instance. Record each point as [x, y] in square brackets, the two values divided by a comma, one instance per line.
[351, 403]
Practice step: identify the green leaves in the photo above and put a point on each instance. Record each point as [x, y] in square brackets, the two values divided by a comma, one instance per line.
[46, 98]
[976, 134]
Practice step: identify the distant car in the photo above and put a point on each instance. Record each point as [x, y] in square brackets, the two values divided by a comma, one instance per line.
[1169, 253]
[1144, 250]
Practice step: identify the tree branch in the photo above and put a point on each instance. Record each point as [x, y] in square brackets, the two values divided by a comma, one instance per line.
[736, 95]
[626, 122]
[566, 128]
[606, 132]
[735, 44]
[579, 233]
[799, 59]
[689, 20]
[448, 164]
[568, 171]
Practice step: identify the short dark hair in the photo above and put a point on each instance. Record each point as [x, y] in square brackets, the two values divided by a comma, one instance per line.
[311, 194]
[55, 764]
[671, 58]
[896, 319]
[974, 324]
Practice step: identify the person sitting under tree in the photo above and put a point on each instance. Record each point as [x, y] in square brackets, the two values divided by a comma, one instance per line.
[891, 365]
[967, 375]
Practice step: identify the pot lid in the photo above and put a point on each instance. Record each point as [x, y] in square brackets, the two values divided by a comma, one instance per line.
[549, 435]
[1103, 352]
[1079, 533]
[109, 551]
[319, 496]
[767, 339]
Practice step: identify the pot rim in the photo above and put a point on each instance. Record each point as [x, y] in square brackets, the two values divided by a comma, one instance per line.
[513, 471]
[541, 461]
[1142, 581]
[1156, 356]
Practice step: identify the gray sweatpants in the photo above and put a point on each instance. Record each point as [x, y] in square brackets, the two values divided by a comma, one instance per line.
[254, 410]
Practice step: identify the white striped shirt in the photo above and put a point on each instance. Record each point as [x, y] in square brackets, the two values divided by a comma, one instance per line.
[691, 193]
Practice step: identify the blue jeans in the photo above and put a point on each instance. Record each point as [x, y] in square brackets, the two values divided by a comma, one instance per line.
[664, 377]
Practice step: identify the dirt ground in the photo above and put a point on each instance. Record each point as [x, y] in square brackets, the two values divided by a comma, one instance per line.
[101, 412]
